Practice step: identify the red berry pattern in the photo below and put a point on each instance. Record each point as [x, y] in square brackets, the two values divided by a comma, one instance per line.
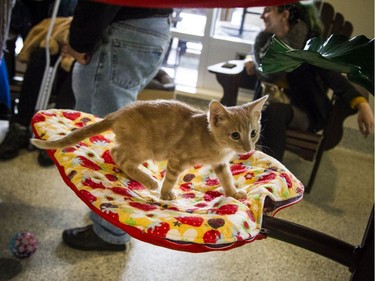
[228, 209]
[69, 149]
[89, 197]
[121, 191]
[237, 169]
[38, 118]
[159, 230]
[72, 115]
[211, 236]
[143, 206]
[186, 186]
[85, 162]
[134, 185]
[287, 179]
[93, 184]
[212, 182]
[192, 221]
[211, 195]
[111, 177]
[188, 195]
[99, 139]
[107, 157]
[267, 177]
[250, 215]
[245, 156]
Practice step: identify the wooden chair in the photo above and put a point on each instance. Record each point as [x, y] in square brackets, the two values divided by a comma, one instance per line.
[309, 146]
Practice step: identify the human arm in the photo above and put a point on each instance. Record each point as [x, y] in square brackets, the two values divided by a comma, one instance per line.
[250, 67]
[365, 119]
[89, 22]
[82, 58]
[342, 87]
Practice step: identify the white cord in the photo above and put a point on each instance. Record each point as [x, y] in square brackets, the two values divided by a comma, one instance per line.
[49, 72]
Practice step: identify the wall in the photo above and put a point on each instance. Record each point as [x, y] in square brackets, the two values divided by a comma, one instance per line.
[361, 14]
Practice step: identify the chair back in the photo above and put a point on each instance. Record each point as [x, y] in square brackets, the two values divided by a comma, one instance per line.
[334, 23]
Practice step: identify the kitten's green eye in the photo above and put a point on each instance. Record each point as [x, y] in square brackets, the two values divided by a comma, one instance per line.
[253, 134]
[235, 135]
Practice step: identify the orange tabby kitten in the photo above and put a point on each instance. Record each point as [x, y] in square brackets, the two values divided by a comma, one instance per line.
[174, 131]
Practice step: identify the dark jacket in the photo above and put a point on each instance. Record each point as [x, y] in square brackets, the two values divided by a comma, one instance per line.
[92, 18]
[308, 87]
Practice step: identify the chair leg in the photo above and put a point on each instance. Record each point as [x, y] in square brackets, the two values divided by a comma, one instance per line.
[314, 171]
[363, 267]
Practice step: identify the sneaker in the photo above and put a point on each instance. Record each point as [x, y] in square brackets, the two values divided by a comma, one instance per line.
[9, 268]
[84, 238]
[16, 138]
[43, 159]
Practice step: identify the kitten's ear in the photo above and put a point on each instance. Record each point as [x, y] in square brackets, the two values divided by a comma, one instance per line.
[256, 107]
[259, 103]
[217, 112]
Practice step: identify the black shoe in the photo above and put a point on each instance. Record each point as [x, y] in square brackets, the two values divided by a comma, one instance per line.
[84, 238]
[43, 159]
[17, 137]
[9, 268]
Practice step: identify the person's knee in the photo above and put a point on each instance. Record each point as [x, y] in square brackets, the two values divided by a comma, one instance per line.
[279, 113]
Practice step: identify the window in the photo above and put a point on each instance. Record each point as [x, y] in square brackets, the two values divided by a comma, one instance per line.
[238, 23]
[202, 37]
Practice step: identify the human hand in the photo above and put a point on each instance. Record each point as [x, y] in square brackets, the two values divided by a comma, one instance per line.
[365, 119]
[82, 58]
[250, 67]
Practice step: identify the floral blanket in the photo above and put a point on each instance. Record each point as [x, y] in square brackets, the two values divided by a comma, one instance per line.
[201, 219]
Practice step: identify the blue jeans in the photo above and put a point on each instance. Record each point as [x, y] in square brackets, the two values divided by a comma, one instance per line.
[127, 58]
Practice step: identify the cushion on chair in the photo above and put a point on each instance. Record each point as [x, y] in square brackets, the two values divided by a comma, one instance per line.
[201, 219]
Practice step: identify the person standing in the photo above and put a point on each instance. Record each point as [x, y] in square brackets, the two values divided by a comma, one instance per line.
[118, 50]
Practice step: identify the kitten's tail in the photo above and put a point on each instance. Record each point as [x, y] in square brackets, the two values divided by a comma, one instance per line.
[75, 136]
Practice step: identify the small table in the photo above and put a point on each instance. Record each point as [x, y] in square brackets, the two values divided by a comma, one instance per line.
[228, 74]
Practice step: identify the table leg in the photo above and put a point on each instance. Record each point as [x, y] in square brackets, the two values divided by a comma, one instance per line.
[230, 84]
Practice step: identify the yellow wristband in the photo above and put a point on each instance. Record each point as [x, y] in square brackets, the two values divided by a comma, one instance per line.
[354, 102]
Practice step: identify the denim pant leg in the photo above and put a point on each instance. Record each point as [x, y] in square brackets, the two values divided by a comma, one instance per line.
[107, 232]
[129, 56]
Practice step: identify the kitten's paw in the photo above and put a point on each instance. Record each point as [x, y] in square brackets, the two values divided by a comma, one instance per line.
[168, 195]
[153, 185]
[241, 194]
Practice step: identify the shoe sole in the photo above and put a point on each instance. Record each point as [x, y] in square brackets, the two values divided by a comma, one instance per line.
[108, 247]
